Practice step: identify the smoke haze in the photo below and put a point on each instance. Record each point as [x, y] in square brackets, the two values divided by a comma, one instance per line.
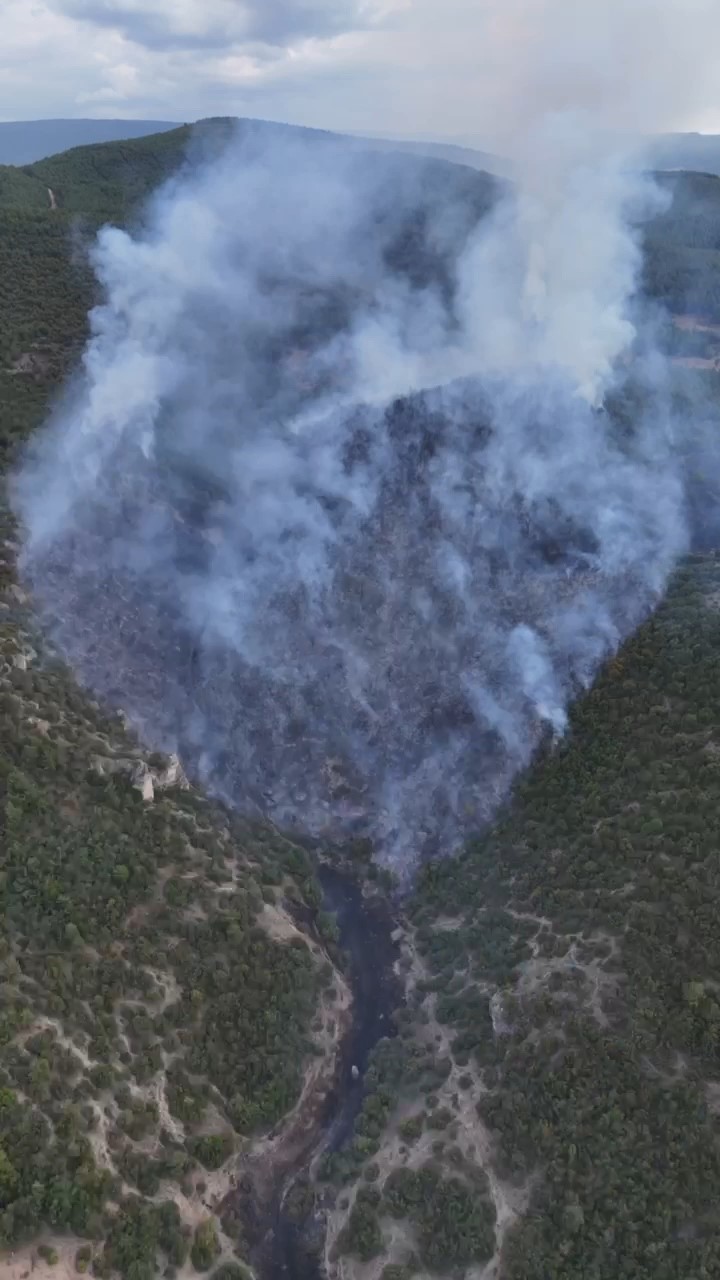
[334, 507]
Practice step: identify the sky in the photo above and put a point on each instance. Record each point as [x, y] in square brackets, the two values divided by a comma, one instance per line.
[466, 70]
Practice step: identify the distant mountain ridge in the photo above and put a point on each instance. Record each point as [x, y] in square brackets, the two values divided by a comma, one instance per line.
[699, 152]
[25, 141]
[472, 157]
[107, 181]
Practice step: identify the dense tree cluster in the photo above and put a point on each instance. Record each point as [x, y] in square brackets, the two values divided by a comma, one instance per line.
[453, 1223]
[91, 950]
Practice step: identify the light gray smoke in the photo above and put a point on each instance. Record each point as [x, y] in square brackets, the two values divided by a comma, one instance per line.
[335, 507]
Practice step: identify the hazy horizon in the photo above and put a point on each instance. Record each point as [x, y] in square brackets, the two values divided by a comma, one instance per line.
[449, 76]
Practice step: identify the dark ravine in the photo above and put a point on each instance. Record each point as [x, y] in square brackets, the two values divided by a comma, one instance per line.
[365, 927]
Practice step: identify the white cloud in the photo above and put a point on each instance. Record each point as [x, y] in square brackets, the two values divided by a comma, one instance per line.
[168, 24]
[480, 69]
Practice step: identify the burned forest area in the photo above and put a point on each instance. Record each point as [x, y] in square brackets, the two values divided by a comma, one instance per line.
[234, 1046]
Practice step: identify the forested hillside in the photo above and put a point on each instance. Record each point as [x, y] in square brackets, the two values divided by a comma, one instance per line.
[160, 1006]
[169, 989]
[682, 246]
[565, 970]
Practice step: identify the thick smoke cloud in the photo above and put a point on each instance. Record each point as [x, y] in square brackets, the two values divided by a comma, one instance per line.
[336, 507]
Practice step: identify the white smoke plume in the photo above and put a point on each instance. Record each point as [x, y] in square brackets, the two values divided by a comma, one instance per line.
[335, 507]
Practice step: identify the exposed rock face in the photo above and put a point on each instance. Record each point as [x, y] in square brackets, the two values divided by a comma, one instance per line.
[143, 777]
[146, 787]
[172, 776]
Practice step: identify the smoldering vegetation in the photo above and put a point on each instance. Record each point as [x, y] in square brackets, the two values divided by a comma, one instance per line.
[346, 504]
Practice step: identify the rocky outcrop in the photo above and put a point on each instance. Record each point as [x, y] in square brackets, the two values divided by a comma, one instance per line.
[145, 779]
